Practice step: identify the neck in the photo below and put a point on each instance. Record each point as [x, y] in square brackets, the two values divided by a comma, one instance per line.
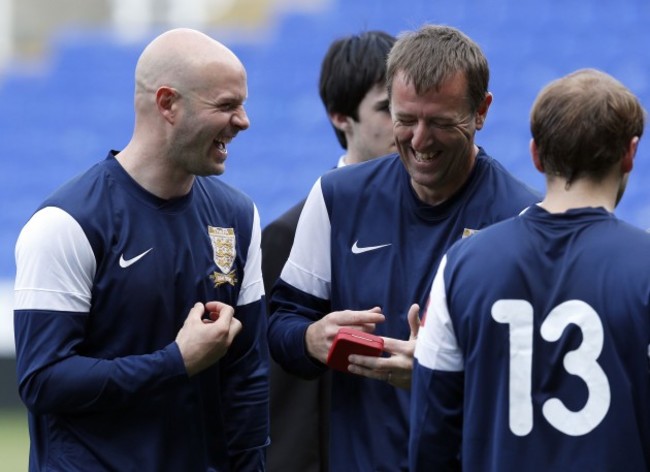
[355, 156]
[583, 193]
[153, 172]
[351, 158]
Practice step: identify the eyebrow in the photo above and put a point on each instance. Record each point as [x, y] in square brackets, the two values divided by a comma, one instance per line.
[382, 104]
[225, 99]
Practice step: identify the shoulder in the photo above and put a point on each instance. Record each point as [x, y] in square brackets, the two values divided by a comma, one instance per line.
[492, 236]
[84, 199]
[637, 240]
[494, 170]
[504, 193]
[487, 250]
[49, 225]
[82, 192]
[214, 188]
[357, 177]
[226, 202]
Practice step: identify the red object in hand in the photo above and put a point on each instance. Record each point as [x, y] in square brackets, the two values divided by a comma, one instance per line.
[352, 341]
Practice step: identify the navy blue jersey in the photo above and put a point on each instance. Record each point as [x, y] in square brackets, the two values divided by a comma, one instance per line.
[535, 343]
[106, 275]
[364, 239]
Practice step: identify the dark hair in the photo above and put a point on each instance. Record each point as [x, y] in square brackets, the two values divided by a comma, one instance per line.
[351, 67]
[582, 124]
[433, 54]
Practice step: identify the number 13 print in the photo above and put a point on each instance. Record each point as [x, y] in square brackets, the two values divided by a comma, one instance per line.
[582, 362]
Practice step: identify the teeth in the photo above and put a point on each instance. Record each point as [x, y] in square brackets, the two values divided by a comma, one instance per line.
[222, 147]
[424, 157]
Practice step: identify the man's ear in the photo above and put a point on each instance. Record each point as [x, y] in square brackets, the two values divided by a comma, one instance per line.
[166, 98]
[534, 152]
[481, 113]
[341, 121]
[628, 158]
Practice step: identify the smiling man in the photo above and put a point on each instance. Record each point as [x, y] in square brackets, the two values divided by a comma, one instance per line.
[352, 89]
[129, 354]
[370, 237]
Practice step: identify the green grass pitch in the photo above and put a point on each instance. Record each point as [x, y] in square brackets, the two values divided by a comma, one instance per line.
[14, 440]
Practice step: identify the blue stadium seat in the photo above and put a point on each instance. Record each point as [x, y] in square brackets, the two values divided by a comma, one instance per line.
[58, 122]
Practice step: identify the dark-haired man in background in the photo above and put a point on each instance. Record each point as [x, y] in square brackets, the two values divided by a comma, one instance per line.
[352, 88]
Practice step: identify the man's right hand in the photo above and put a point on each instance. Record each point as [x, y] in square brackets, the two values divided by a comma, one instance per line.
[202, 342]
[320, 334]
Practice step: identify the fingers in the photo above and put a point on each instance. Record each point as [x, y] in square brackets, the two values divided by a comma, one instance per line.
[320, 334]
[196, 312]
[219, 310]
[364, 320]
[201, 341]
[414, 320]
[235, 328]
[224, 316]
[395, 370]
[359, 365]
[397, 346]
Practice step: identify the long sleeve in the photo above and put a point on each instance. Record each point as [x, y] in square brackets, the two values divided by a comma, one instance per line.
[301, 296]
[437, 389]
[55, 269]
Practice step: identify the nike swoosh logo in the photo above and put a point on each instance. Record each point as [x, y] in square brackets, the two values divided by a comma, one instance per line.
[124, 263]
[360, 250]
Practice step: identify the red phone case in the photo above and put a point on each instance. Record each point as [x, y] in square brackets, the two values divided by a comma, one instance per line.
[352, 341]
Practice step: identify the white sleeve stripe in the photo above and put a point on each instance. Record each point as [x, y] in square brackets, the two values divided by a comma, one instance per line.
[436, 347]
[55, 264]
[305, 280]
[252, 287]
[309, 267]
[31, 298]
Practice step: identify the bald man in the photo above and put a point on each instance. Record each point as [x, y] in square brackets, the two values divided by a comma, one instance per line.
[139, 322]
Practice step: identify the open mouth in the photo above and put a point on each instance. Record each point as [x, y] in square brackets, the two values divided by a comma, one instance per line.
[221, 146]
[428, 157]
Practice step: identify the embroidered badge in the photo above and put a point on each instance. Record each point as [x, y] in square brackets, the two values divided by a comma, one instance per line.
[468, 232]
[223, 248]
